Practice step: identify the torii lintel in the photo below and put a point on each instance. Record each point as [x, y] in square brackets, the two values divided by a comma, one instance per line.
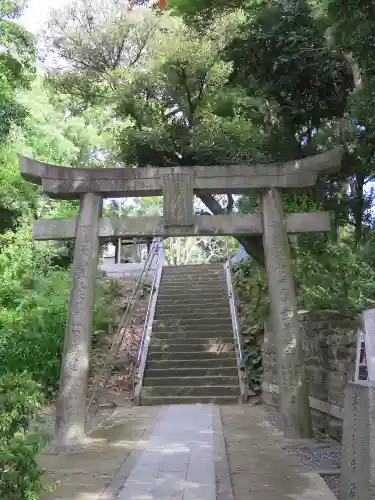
[71, 183]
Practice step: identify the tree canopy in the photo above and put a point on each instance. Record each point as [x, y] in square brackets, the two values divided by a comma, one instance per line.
[17, 64]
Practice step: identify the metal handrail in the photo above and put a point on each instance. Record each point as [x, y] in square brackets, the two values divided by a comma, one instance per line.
[242, 372]
[233, 300]
[147, 317]
[126, 317]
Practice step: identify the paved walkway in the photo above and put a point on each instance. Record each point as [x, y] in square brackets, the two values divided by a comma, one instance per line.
[179, 460]
[185, 453]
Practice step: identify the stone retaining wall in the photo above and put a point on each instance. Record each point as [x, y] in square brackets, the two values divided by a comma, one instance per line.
[330, 353]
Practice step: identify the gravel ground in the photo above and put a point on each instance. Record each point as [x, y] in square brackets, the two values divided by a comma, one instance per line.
[326, 456]
[275, 420]
[333, 483]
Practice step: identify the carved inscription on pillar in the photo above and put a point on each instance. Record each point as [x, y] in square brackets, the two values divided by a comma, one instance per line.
[178, 199]
[294, 402]
[70, 409]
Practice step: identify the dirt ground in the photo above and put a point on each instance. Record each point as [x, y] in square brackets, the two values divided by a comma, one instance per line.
[260, 469]
[84, 475]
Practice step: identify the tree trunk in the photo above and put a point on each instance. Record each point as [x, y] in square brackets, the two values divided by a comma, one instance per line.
[253, 245]
[359, 206]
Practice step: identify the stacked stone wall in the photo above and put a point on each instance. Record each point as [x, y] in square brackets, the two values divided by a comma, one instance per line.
[329, 346]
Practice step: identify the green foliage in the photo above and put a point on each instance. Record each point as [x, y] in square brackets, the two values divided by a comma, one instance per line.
[202, 12]
[327, 277]
[20, 475]
[33, 309]
[333, 277]
[253, 354]
[17, 65]
[107, 292]
[250, 286]
[49, 134]
[249, 281]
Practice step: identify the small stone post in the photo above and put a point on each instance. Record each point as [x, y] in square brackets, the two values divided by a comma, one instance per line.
[71, 404]
[118, 253]
[368, 320]
[357, 480]
[294, 396]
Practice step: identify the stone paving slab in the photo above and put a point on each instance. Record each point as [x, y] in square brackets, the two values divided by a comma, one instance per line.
[179, 459]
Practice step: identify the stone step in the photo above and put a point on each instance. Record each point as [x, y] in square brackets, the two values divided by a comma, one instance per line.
[192, 305]
[189, 292]
[207, 265]
[196, 364]
[205, 292]
[175, 400]
[172, 348]
[154, 373]
[190, 296]
[192, 279]
[197, 391]
[193, 356]
[179, 304]
[176, 311]
[197, 331]
[191, 381]
[206, 341]
[202, 283]
[168, 334]
[193, 284]
[193, 268]
[191, 323]
[193, 272]
[217, 275]
[182, 316]
[186, 330]
[185, 337]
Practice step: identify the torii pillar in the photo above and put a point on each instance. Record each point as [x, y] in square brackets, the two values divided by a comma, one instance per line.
[293, 388]
[71, 402]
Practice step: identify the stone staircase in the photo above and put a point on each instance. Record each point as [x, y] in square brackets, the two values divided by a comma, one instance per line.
[191, 356]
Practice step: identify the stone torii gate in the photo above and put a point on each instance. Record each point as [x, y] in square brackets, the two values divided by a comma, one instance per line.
[178, 186]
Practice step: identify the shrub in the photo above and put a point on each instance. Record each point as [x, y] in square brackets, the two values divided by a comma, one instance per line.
[33, 309]
[20, 475]
[34, 298]
[327, 277]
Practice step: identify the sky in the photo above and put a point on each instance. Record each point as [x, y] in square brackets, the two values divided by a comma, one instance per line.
[36, 14]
